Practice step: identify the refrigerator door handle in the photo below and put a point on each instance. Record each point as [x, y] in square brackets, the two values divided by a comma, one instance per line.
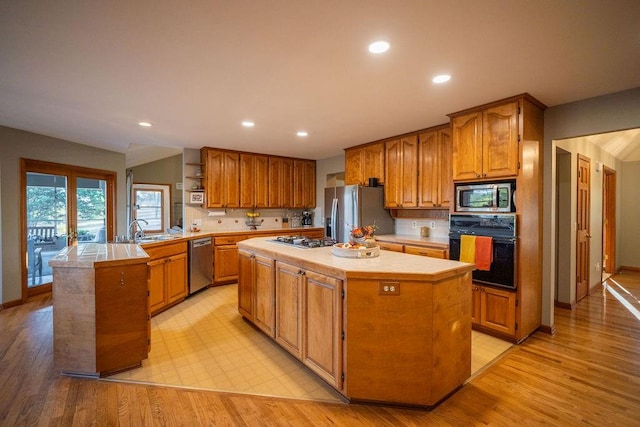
[355, 220]
[334, 216]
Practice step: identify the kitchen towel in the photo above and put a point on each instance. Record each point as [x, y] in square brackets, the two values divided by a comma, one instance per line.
[468, 248]
[484, 252]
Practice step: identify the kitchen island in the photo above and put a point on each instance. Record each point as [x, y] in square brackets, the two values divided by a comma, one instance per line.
[391, 329]
[100, 308]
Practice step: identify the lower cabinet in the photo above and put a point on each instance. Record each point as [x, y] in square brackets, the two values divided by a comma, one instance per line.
[494, 309]
[425, 251]
[167, 276]
[300, 309]
[225, 258]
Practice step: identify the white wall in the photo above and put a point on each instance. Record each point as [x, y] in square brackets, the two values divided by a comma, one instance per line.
[628, 254]
[16, 144]
[606, 113]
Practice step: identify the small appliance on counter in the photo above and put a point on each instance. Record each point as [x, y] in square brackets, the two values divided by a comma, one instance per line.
[307, 218]
[296, 220]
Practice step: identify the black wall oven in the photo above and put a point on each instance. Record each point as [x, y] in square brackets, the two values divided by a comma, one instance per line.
[502, 229]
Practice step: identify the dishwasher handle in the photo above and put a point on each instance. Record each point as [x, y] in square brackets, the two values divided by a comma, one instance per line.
[201, 242]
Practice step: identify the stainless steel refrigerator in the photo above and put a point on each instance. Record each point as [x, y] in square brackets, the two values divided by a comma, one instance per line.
[354, 206]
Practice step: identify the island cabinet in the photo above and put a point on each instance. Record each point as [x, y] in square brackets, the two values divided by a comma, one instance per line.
[254, 180]
[222, 178]
[486, 139]
[364, 162]
[392, 329]
[280, 182]
[100, 309]
[435, 252]
[435, 185]
[256, 291]
[494, 310]
[304, 183]
[401, 173]
[168, 280]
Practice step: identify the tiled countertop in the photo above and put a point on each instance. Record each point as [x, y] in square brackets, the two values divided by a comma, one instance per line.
[91, 255]
[388, 265]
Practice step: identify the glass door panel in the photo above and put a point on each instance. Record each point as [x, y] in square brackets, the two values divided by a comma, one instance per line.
[47, 222]
[91, 210]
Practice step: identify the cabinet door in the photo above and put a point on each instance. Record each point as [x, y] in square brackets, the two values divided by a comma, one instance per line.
[264, 289]
[215, 174]
[288, 308]
[247, 180]
[280, 182]
[393, 174]
[373, 163]
[467, 146]
[428, 172]
[176, 277]
[261, 188]
[353, 166]
[445, 180]
[121, 316]
[231, 179]
[157, 295]
[245, 284]
[500, 141]
[476, 301]
[322, 324]
[409, 171]
[498, 310]
[424, 251]
[304, 182]
[225, 263]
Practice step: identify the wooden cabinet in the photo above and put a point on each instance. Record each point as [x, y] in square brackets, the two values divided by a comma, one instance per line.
[401, 173]
[387, 246]
[289, 286]
[485, 143]
[364, 162]
[494, 309]
[254, 181]
[280, 182]
[435, 184]
[433, 252]
[304, 182]
[246, 284]
[222, 182]
[167, 276]
[322, 326]
[225, 258]
[256, 291]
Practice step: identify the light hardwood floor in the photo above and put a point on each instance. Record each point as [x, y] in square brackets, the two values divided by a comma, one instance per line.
[587, 373]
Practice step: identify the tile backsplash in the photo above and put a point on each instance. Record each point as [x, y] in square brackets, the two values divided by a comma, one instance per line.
[234, 219]
[406, 226]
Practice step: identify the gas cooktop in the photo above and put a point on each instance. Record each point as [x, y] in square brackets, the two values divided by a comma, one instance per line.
[302, 242]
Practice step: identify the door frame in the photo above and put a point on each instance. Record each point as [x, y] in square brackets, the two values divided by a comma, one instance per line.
[609, 183]
[71, 172]
[586, 230]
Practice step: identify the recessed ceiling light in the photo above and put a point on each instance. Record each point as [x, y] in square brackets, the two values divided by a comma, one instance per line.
[302, 133]
[380, 46]
[442, 78]
[144, 124]
[248, 124]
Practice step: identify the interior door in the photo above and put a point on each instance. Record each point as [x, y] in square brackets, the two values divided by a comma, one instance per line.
[583, 226]
[61, 205]
[609, 221]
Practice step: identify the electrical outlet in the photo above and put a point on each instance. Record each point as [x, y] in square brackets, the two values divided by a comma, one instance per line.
[432, 224]
[388, 288]
[197, 222]
[414, 224]
[597, 266]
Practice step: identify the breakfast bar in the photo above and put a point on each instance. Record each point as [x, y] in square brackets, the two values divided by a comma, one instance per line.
[394, 328]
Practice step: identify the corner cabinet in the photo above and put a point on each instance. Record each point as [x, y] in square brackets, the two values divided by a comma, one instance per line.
[364, 162]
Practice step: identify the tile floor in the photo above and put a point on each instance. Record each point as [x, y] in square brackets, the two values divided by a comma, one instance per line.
[203, 343]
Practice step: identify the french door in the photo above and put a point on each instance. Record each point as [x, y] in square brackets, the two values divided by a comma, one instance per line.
[61, 205]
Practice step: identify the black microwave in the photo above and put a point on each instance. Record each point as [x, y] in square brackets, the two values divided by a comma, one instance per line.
[486, 197]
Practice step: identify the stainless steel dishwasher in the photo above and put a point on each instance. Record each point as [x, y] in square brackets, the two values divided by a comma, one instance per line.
[200, 264]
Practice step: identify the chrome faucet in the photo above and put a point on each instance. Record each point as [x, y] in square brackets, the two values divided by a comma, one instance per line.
[134, 235]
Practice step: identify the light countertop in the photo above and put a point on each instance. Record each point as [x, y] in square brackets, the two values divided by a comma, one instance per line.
[409, 239]
[91, 255]
[389, 265]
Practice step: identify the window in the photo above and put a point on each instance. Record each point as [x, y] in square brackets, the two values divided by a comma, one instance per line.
[152, 204]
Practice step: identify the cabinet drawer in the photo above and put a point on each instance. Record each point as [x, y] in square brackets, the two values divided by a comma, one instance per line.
[166, 250]
[395, 247]
[424, 251]
[229, 240]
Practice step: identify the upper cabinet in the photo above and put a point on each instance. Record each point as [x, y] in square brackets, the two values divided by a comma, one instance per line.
[222, 181]
[364, 162]
[281, 182]
[254, 180]
[435, 186]
[401, 173]
[304, 184]
[486, 139]
[249, 180]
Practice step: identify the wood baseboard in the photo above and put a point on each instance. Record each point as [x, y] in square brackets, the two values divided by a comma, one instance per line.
[628, 268]
[10, 304]
[551, 330]
[568, 306]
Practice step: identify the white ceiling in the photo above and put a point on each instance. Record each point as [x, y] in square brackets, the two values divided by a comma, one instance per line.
[90, 71]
